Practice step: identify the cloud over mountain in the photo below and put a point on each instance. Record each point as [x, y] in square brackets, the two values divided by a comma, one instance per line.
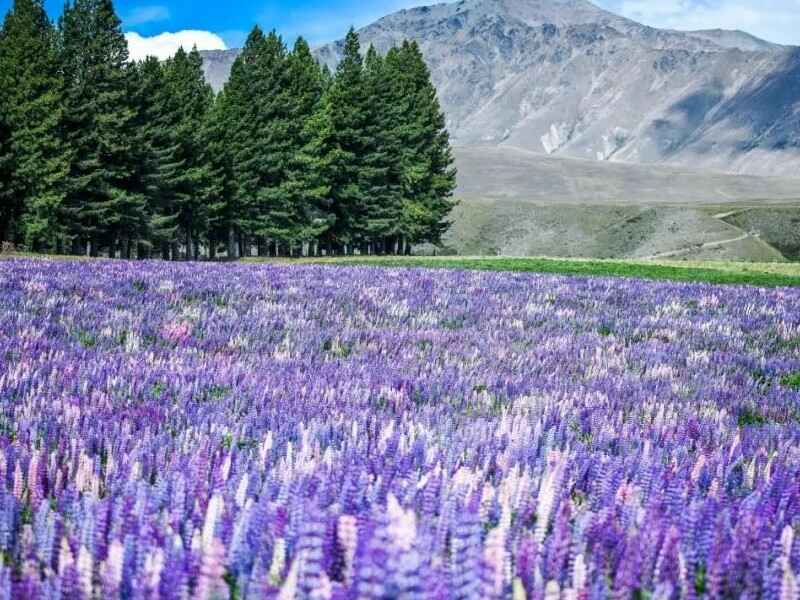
[165, 44]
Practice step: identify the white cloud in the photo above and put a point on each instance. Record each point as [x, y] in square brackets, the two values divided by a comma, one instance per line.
[774, 20]
[147, 14]
[166, 44]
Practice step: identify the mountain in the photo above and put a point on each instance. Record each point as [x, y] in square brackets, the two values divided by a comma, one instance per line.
[566, 78]
[217, 66]
[735, 39]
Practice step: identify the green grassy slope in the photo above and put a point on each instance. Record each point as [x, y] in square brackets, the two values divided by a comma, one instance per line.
[759, 274]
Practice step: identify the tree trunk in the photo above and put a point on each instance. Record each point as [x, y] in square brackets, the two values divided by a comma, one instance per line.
[189, 244]
[212, 248]
[232, 245]
[5, 230]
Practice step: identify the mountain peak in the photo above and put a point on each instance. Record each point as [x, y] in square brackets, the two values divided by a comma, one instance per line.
[530, 12]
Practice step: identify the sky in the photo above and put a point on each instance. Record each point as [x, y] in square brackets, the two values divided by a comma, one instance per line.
[160, 26]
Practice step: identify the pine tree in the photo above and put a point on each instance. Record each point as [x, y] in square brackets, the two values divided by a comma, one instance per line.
[428, 175]
[219, 190]
[102, 198]
[240, 113]
[157, 166]
[345, 142]
[380, 162]
[189, 99]
[303, 193]
[269, 149]
[32, 94]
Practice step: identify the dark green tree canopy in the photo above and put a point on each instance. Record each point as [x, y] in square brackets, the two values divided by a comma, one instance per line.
[99, 154]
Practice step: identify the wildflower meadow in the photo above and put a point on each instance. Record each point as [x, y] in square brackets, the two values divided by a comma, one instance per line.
[215, 431]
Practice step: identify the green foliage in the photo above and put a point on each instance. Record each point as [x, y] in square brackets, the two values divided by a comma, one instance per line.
[749, 417]
[157, 165]
[31, 95]
[86, 338]
[792, 381]
[188, 100]
[102, 201]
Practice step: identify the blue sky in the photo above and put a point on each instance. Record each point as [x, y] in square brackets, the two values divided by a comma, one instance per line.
[160, 25]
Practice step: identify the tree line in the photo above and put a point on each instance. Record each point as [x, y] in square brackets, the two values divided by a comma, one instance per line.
[100, 155]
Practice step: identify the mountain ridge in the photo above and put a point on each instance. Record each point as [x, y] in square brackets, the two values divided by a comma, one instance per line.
[567, 78]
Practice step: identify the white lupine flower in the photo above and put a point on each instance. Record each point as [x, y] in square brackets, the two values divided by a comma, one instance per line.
[278, 561]
[153, 566]
[496, 558]
[289, 587]
[241, 491]
[552, 591]
[213, 512]
[547, 494]
[402, 524]
[114, 563]
[84, 568]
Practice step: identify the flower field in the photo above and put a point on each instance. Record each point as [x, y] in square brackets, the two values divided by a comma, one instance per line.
[246, 431]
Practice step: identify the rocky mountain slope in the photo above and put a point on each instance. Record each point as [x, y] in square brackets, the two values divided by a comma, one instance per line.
[566, 78]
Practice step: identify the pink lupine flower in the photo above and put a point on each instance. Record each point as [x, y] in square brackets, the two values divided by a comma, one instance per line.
[211, 584]
[177, 332]
[19, 482]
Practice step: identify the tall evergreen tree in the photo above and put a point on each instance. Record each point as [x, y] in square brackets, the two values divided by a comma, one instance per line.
[302, 193]
[158, 166]
[189, 99]
[380, 160]
[344, 141]
[31, 99]
[219, 189]
[240, 113]
[102, 198]
[269, 149]
[428, 174]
